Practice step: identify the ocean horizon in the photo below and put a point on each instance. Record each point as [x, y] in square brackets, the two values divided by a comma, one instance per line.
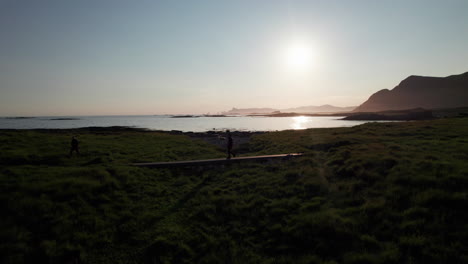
[169, 123]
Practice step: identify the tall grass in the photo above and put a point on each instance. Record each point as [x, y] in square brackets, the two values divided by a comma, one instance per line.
[375, 193]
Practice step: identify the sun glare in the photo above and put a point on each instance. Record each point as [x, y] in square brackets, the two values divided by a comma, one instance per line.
[298, 57]
[300, 122]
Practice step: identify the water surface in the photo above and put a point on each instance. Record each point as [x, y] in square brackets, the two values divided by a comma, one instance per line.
[198, 124]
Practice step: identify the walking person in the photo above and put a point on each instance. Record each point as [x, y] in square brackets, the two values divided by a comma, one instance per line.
[74, 146]
[229, 145]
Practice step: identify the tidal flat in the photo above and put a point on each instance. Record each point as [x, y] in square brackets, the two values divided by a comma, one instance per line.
[373, 193]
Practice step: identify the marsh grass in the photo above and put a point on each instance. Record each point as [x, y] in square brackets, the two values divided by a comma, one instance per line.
[375, 193]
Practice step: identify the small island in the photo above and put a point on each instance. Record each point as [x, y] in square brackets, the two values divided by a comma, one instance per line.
[65, 118]
[185, 116]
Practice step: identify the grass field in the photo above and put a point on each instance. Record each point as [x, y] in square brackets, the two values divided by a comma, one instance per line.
[375, 193]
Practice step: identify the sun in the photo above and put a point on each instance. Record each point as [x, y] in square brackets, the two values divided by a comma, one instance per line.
[298, 57]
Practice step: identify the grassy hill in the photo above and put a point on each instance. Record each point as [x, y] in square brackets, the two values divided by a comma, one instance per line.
[375, 193]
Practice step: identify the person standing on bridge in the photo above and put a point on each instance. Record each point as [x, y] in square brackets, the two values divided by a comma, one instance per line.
[229, 145]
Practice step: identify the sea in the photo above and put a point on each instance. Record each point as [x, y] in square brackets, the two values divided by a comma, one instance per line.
[185, 124]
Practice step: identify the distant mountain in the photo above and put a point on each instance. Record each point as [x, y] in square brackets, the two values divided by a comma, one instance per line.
[319, 109]
[302, 109]
[246, 111]
[420, 91]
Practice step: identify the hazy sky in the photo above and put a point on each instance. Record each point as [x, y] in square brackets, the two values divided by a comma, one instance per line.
[83, 57]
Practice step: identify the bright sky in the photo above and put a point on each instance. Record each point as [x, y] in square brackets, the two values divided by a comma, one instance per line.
[91, 57]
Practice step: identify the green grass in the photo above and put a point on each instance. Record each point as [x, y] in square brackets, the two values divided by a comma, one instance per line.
[375, 193]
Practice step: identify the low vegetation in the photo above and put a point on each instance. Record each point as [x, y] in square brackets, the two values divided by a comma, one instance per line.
[375, 193]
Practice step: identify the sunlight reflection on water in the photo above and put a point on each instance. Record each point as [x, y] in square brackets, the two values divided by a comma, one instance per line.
[299, 122]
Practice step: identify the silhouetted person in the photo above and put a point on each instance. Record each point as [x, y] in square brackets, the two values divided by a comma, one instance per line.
[229, 145]
[74, 146]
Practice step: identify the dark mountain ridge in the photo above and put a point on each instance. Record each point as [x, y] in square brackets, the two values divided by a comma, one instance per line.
[420, 91]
